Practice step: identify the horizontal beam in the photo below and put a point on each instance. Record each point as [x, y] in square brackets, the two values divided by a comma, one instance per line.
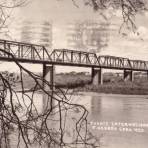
[65, 64]
[19, 43]
[39, 55]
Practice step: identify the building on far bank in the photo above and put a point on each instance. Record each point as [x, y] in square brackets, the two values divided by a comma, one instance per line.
[37, 33]
[88, 35]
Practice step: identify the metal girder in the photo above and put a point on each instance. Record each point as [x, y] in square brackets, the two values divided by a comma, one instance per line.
[138, 64]
[72, 56]
[23, 50]
[114, 62]
[26, 52]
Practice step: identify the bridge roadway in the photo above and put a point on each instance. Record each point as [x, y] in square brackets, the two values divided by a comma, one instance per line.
[31, 53]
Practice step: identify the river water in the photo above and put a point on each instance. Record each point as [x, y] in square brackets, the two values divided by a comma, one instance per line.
[122, 120]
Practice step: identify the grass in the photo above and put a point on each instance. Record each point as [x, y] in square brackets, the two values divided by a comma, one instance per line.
[82, 82]
[72, 80]
[111, 84]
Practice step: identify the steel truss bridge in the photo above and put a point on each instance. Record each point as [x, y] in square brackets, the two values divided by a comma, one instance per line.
[31, 53]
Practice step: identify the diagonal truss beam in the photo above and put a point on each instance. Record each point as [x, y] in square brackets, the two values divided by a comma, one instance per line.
[32, 52]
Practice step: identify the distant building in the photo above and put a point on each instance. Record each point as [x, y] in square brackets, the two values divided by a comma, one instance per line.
[37, 33]
[88, 35]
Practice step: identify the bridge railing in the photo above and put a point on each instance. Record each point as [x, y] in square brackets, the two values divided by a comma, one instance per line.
[122, 63]
[73, 56]
[23, 50]
[36, 52]
[139, 64]
[115, 62]
[87, 58]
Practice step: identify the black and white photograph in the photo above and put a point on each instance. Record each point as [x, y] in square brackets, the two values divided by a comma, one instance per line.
[73, 74]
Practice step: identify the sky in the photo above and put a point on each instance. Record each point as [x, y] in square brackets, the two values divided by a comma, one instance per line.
[60, 12]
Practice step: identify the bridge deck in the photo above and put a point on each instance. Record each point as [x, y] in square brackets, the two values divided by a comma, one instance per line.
[31, 53]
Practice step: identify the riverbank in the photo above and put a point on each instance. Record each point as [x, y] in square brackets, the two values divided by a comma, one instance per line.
[95, 94]
[127, 88]
[112, 84]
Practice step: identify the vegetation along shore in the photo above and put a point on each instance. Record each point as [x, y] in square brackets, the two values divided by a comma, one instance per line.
[112, 83]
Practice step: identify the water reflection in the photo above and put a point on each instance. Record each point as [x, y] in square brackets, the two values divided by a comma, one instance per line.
[120, 109]
[112, 108]
[96, 104]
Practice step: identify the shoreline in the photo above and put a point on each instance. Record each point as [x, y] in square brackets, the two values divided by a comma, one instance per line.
[83, 83]
[93, 93]
[108, 94]
[126, 88]
[111, 85]
[111, 93]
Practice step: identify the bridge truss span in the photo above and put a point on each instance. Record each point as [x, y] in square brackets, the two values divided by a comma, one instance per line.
[23, 51]
[139, 64]
[32, 53]
[114, 62]
[74, 57]
[122, 63]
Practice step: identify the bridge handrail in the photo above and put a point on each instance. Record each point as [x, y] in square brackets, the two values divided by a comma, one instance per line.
[74, 51]
[69, 56]
[19, 43]
[34, 47]
[113, 57]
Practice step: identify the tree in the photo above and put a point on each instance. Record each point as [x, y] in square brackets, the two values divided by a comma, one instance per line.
[6, 8]
[129, 8]
[61, 123]
[22, 125]
[32, 127]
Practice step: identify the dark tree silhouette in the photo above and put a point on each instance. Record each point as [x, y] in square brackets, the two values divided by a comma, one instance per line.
[129, 8]
[61, 123]
[6, 8]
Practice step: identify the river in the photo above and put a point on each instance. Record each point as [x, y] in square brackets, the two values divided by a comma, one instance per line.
[120, 120]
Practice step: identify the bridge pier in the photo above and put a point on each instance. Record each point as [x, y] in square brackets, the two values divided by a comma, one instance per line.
[128, 74]
[48, 75]
[97, 77]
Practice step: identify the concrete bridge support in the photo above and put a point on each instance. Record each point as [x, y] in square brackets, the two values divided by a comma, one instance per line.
[48, 75]
[128, 75]
[97, 77]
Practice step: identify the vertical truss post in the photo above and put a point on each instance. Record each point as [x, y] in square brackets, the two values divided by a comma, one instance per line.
[86, 56]
[79, 57]
[32, 52]
[21, 51]
[63, 55]
[54, 58]
[71, 56]
[43, 53]
[5, 47]
[8, 48]
[147, 75]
